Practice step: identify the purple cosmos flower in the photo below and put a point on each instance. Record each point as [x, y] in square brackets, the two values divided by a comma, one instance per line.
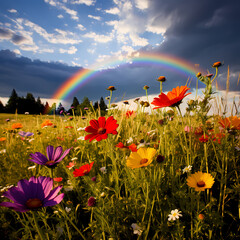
[33, 194]
[25, 134]
[53, 156]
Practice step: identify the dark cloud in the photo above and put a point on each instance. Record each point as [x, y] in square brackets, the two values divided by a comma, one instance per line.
[44, 78]
[15, 38]
[202, 32]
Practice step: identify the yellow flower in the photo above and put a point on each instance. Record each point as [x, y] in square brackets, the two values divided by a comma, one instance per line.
[142, 158]
[200, 181]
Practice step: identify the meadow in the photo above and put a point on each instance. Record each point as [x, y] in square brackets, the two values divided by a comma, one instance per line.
[125, 175]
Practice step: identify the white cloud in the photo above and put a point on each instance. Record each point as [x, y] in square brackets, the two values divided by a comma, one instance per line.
[76, 64]
[60, 16]
[62, 37]
[81, 27]
[86, 2]
[71, 50]
[114, 10]
[98, 37]
[17, 51]
[141, 4]
[56, 3]
[91, 50]
[46, 50]
[156, 29]
[12, 10]
[95, 17]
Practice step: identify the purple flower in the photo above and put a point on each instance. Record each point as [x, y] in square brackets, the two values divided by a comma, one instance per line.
[91, 201]
[33, 194]
[7, 120]
[25, 134]
[53, 156]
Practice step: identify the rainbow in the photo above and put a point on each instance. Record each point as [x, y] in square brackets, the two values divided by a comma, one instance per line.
[83, 76]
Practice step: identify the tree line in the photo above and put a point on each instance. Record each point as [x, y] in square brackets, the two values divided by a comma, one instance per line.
[30, 105]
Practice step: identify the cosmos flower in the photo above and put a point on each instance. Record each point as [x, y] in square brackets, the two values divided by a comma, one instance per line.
[53, 156]
[172, 99]
[83, 170]
[200, 181]
[17, 126]
[175, 214]
[142, 158]
[33, 194]
[25, 134]
[100, 128]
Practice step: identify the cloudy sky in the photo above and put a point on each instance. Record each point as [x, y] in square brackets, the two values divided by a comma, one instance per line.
[44, 42]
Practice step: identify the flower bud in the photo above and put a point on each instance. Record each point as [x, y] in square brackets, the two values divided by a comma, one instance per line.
[126, 102]
[111, 88]
[199, 74]
[217, 64]
[160, 158]
[161, 79]
[146, 104]
[146, 87]
[200, 216]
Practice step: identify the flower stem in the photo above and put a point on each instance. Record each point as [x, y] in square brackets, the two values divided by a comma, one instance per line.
[37, 226]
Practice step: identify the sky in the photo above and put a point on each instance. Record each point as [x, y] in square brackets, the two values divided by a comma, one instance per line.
[44, 42]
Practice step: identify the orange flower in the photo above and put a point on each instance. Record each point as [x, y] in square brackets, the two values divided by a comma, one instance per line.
[132, 147]
[232, 123]
[46, 123]
[130, 113]
[17, 126]
[172, 99]
[69, 127]
[217, 64]
[2, 139]
[58, 179]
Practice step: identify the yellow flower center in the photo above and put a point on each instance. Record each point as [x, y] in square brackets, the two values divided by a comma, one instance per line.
[34, 203]
[201, 184]
[144, 160]
[101, 130]
[85, 171]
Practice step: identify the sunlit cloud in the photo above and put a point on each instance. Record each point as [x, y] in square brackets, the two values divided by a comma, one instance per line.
[86, 2]
[71, 50]
[98, 37]
[95, 17]
[114, 11]
[12, 10]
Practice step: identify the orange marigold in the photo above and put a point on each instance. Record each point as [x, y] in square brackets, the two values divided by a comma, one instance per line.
[46, 123]
[232, 123]
[17, 126]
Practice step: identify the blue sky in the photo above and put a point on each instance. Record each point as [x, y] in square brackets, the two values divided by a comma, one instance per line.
[44, 42]
[76, 32]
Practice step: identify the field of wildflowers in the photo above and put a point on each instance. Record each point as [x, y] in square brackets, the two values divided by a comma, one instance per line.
[125, 175]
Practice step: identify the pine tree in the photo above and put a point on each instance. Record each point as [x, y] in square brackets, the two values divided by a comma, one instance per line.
[30, 104]
[75, 102]
[102, 105]
[60, 109]
[2, 108]
[46, 108]
[12, 104]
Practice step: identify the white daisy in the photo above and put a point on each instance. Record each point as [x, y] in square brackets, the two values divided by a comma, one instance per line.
[175, 214]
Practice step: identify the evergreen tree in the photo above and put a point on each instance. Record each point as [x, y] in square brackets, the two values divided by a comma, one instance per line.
[30, 104]
[40, 106]
[60, 109]
[53, 109]
[75, 103]
[1, 107]
[102, 105]
[85, 104]
[12, 103]
[46, 108]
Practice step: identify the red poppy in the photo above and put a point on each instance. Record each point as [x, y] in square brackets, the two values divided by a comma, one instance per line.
[203, 139]
[100, 128]
[83, 170]
[58, 179]
[172, 99]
